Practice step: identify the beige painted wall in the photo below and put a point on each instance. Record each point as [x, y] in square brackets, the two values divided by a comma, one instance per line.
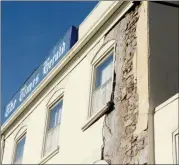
[72, 141]
[166, 122]
[97, 13]
[75, 146]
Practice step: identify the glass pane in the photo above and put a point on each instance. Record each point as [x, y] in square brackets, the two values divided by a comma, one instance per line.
[52, 140]
[55, 115]
[101, 97]
[177, 153]
[104, 71]
[19, 161]
[20, 148]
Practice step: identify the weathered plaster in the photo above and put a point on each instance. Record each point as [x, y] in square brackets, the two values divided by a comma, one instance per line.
[125, 136]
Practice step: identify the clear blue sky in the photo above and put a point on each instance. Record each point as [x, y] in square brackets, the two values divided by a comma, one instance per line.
[29, 32]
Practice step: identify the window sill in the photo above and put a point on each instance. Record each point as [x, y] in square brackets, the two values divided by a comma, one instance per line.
[96, 116]
[49, 156]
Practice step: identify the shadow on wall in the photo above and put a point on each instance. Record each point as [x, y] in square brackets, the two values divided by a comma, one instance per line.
[164, 43]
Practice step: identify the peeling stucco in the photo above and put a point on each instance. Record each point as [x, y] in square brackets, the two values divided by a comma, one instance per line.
[122, 143]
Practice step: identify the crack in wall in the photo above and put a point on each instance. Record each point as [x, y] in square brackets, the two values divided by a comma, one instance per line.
[120, 143]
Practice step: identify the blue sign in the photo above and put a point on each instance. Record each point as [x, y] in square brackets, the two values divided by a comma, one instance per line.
[58, 52]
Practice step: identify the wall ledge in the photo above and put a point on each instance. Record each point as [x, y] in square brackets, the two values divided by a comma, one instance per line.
[165, 103]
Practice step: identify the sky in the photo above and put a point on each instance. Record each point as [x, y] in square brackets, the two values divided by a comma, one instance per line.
[29, 30]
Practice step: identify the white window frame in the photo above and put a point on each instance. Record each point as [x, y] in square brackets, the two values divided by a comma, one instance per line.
[24, 134]
[95, 66]
[44, 155]
[174, 134]
[110, 50]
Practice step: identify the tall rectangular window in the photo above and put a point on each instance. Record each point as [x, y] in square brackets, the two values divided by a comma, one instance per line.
[53, 127]
[102, 85]
[176, 147]
[19, 150]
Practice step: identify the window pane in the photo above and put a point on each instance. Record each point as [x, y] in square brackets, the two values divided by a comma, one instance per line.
[20, 148]
[177, 153]
[104, 71]
[55, 115]
[52, 140]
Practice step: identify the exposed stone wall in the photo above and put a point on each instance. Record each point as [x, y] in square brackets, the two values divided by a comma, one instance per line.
[121, 144]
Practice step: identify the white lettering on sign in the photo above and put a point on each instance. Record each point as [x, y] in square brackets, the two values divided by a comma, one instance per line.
[10, 107]
[27, 88]
[48, 64]
[24, 91]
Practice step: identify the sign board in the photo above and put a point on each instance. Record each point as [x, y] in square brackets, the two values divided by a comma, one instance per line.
[55, 57]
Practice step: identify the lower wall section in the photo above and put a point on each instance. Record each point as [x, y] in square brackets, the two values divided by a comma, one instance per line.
[166, 127]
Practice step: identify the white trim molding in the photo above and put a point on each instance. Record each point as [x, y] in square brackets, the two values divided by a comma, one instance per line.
[165, 103]
[101, 162]
[22, 132]
[175, 136]
[2, 147]
[49, 156]
[56, 96]
[96, 116]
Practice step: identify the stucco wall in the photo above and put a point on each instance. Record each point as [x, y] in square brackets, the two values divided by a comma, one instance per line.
[166, 122]
[76, 146]
[94, 15]
[72, 141]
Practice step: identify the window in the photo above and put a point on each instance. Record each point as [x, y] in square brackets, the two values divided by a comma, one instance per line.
[176, 146]
[175, 140]
[103, 84]
[53, 127]
[19, 150]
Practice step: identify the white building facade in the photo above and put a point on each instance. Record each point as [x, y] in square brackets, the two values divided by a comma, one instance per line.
[99, 103]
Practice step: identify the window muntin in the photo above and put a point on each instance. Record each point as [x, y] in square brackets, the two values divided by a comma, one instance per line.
[55, 115]
[19, 150]
[104, 71]
[103, 84]
[52, 135]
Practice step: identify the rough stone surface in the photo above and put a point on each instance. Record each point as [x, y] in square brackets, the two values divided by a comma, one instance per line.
[121, 145]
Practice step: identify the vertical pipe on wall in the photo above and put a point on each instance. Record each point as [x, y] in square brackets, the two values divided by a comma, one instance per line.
[151, 138]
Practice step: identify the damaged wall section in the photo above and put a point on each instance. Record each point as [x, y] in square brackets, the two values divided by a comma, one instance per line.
[125, 133]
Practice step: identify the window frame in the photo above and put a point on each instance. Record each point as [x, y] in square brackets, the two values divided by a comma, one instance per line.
[24, 134]
[111, 53]
[49, 111]
[106, 54]
[109, 50]
[47, 124]
[174, 134]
